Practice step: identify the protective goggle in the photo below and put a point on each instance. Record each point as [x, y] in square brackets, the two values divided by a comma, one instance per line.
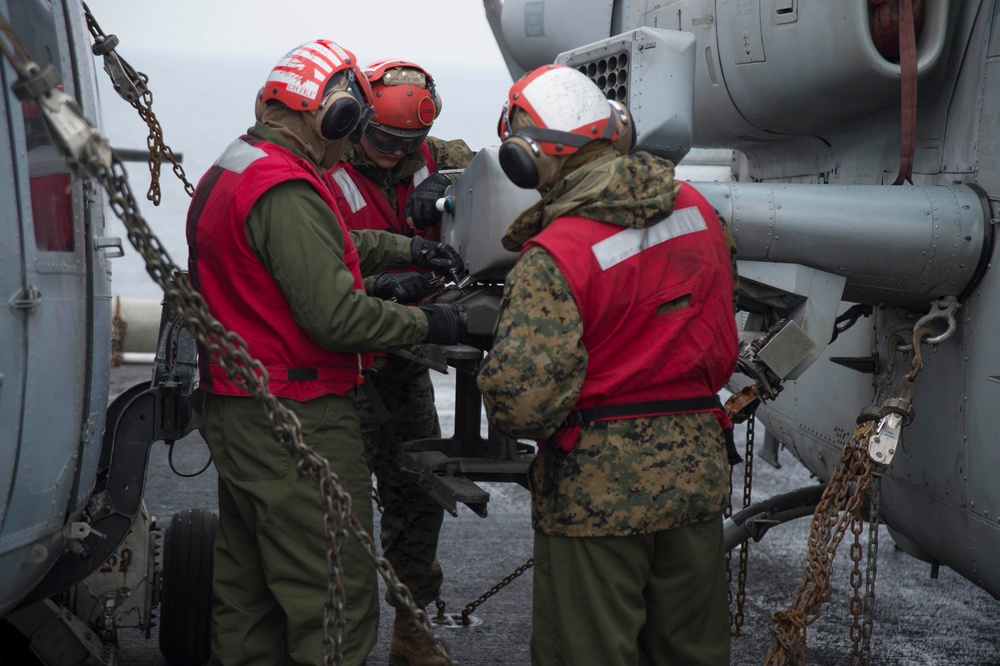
[390, 139]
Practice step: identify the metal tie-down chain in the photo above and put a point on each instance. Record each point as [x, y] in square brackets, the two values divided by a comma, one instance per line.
[467, 611]
[89, 156]
[840, 503]
[131, 86]
[736, 616]
[864, 459]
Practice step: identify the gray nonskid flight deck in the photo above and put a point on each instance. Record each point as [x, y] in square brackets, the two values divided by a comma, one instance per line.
[919, 621]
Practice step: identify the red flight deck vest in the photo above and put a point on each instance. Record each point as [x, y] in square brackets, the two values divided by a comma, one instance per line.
[362, 205]
[240, 292]
[619, 277]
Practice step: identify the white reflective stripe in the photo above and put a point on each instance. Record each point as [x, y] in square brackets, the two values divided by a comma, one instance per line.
[238, 156]
[351, 192]
[630, 242]
[421, 175]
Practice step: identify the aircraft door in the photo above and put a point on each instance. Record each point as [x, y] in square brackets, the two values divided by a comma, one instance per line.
[46, 342]
[13, 333]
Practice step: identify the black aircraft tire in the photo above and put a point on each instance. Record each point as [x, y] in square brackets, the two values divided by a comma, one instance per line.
[186, 590]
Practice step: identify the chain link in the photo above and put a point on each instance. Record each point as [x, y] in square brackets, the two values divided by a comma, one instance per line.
[736, 617]
[855, 606]
[467, 611]
[229, 350]
[874, 493]
[840, 503]
[141, 99]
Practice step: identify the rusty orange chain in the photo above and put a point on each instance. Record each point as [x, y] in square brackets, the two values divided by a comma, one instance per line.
[839, 506]
[131, 86]
[89, 156]
[736, 616]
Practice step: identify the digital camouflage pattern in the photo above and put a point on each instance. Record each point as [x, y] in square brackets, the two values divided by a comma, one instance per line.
[624, 477]
[411, 519]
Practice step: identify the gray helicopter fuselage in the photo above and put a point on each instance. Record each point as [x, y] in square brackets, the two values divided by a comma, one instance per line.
[55, 326]
[813, 113]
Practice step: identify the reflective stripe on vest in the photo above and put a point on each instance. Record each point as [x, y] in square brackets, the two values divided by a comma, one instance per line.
[352, 195]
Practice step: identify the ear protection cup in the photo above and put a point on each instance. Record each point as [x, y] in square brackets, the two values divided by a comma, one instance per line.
[626, 129]
[359, 129]
[338, 116]
[526, 166]
[432, 90]
[519, 163]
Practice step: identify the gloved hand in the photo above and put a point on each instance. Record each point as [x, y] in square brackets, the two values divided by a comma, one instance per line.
[420, 210]
[435, 256]
[401, 287]
[446, 324]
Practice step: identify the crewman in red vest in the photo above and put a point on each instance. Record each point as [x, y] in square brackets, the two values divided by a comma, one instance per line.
[615, 333]
[390, 179]
[276, 266]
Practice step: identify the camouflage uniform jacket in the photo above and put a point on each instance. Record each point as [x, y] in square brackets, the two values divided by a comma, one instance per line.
[624, 477]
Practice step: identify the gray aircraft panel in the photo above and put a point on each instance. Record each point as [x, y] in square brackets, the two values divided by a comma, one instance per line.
[12, 331]
[55, 295]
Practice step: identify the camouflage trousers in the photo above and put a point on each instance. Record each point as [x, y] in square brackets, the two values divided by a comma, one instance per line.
[411, 519]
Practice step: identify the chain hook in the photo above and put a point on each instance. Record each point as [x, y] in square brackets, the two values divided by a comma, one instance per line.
[943, 308]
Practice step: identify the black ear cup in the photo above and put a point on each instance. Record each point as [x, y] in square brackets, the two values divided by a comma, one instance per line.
[432, 91]
[519, 165]
[341, 116]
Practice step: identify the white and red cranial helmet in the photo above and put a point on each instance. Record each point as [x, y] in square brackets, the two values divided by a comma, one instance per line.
[550, 114]
[302, 77]
[566, 108]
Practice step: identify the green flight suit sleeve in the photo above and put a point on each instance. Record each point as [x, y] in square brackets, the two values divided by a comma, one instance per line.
[532, 378]
[381, 250]
[299, 241]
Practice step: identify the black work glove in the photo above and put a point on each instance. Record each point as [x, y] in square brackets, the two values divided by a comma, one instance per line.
[435, 256]
[421, 208]
[401, 287]
[445, 323]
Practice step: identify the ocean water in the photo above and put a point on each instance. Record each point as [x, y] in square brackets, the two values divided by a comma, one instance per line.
[201, 110]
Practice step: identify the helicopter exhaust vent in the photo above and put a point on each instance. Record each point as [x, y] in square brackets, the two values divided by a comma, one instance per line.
[623, 67]
[611, 76]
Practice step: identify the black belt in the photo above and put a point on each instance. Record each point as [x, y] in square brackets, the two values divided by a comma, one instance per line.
[303, 374]
[655, 408]
[640, 409]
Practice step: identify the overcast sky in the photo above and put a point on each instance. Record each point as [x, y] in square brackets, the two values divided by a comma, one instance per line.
[207, 59]
[426, 32]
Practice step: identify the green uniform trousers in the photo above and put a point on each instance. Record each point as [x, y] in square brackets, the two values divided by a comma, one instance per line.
[655, 599]
[270, 562]
[411, 519]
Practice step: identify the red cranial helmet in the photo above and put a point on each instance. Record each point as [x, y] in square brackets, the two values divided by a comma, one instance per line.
[405, 103]
[322, 76]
